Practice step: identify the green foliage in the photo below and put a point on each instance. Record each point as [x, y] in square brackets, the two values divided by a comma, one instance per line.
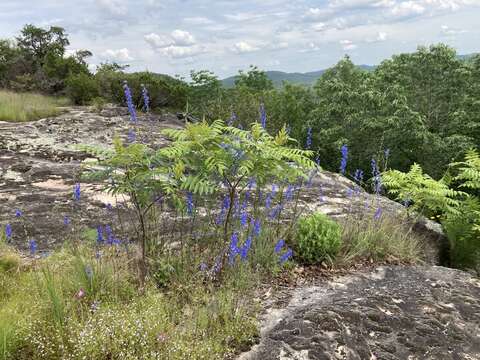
[427, 195]
[254, 79]
[36, 60]
[81, 88]
[164, 91]
[458, 210]
[317, 239]
[463, 231]
[42, 316]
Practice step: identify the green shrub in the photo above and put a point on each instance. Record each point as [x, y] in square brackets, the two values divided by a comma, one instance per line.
[318, 238]
[463, 236]
[163, 90]
[81, 88]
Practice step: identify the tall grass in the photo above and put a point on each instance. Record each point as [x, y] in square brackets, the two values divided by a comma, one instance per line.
[17, 107]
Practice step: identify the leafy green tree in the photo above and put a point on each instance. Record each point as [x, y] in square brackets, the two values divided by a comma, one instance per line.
[254, 79]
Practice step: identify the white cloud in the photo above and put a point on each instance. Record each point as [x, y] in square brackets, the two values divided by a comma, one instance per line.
[114, 7]
[347, 45]
[177, 38]
[319, 26]
[243, 47]
[158, 41]
[180, 52]
[408, 8]
[182, 38]
[120, 55]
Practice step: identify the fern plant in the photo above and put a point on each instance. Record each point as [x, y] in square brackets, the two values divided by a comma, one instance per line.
[207, 158]
[425, 194]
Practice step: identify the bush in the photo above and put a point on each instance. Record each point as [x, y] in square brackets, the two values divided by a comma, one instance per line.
[318, 238]
[164, 91]
[81, 88]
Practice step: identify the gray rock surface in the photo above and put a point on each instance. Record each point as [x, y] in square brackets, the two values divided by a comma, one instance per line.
[40, 163]
[389, 313]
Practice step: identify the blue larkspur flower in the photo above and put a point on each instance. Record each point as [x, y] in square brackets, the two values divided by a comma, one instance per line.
[234, 251]
[287, 255]
[257, 228]
[18, 213]
[109, 233]
[99, 234]
[244, 219]
[378, 213]
[246, 248]
[76, 192]
[279, 245]
[131, 136]
[263, 116]
[289, 192]
[129, 101]
[377, 181]
[146, 99]
[358, 176]
[203, 266]
[33, 247]
[343, 163]
[66, 220]
[309, 138]
[8, 232]
[189, 203]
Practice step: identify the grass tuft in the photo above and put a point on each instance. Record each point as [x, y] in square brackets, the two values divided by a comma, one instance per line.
[19, 107]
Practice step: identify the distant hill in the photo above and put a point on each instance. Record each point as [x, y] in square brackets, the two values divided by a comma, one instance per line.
[308, 78]
[278, 77]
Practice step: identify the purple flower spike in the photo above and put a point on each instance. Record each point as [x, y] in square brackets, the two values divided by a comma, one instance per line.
[263, 116]
[309, 137]
[378, 214]
[246, 248]
[343, 163]
[146, 99]
[129, 101]
[233, 248]
[76, 192]
[99, 234]
[278, 247]
[8, 232]
[33, 247]
[286, 256]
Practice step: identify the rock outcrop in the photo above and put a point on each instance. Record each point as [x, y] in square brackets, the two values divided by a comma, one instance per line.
[40, 163]
[391, 313]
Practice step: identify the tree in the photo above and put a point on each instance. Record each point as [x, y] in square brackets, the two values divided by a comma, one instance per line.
[254, 79]
[37, 43]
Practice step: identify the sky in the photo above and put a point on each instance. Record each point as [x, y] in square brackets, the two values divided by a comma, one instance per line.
[174, 37]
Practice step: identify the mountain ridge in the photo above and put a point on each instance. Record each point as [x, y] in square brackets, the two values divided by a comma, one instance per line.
[306, 78]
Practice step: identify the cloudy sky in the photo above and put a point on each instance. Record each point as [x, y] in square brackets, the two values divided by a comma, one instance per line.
[173, 37]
